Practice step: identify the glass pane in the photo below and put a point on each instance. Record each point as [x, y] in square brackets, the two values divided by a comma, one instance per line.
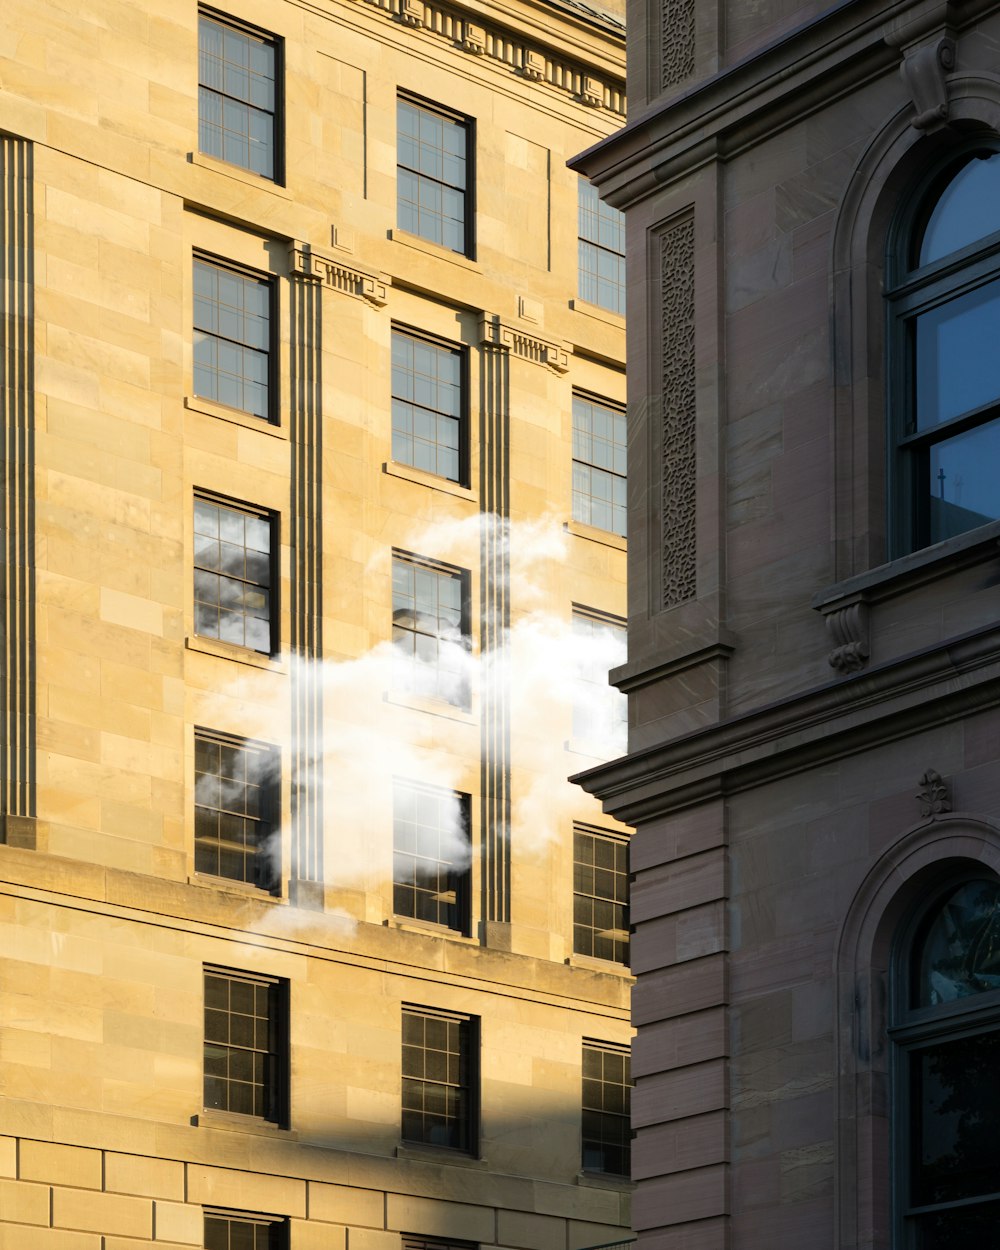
[955, 1148]
[962, 482]
[968, 209]
[957, 364]
[957, 1229]
[958, 953]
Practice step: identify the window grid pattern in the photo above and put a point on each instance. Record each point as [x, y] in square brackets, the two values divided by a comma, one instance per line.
[242, 1060]
[607, 1099]
[600, 896]
[428, 404]
[244, 1232]
[232, 338]
[432, 175]
[602, 251]
[234, 783]
[599, 465]
[237, 92]
[600, 713]
[437, 1080]
[428, 883]
[232, 575]
[429, 630]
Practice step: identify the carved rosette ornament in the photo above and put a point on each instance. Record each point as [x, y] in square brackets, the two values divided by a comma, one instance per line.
[933, 795]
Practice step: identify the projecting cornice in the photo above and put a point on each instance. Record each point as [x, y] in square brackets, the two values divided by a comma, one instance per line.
[803, 71]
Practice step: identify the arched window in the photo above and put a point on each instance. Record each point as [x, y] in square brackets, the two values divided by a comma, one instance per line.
[943, 294]
[945, 1032]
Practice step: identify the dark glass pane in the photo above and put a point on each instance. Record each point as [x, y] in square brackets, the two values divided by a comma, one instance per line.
[957, 366]
[967, 1228]
[955, 1148]
[962, 482]
[958, 951]
[968, 209]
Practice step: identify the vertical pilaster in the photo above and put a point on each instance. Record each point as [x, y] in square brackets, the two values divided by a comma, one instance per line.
[306, 607]
[494, 502]
[17, 475]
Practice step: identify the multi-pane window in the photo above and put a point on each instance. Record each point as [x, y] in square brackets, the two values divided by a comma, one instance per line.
[235, 793]
[233, 574]
[946, 1098]
[600, 712]
[243, 1230]
[237, 95]
[607, 1097]
[944, 369]
[430, 878]
[439, 1078]
[428, 406]
[432, 174]
[599, 451]
[430, 629]
[246, 1062]
[232, 337]
[600, 895]
[602, 251]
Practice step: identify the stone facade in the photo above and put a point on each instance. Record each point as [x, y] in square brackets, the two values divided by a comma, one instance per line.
[111, 682]
[813, 688]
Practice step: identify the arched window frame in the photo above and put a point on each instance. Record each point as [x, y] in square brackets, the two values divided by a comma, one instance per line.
[911, 290]
[912, 1029]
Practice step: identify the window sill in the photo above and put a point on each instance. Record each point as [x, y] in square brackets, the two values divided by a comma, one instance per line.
[593, 534]
[434, 707]
[230, 651]
[616, 320]
[432, 249]
[438, 1154]
[605, 1180]
[426, 928]
[422, 478]
[610, 967]
[232, 1123]
[209, 408]
[242, 890]
[212, 163]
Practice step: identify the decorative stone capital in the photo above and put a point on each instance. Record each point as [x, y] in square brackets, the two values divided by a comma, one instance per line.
[933, 795]
[847, 625]
[307, 264]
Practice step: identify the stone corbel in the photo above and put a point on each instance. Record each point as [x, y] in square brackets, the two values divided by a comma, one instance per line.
[304, 262]
[534, 65]
[592, 92]
[412, 12]
[925, 38]
[496, 333]
[847, 625]
[474, 39]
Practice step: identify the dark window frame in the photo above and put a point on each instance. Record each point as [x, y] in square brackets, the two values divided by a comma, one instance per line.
[469, 1118]
[589, 246]
[273, 414]
[459, 880]
[273, 520]
[266, 873]
[276, 1081]
[277, 1226]
[277, 43]
[452, 573]
[607, 1120]
[911, 291]
[912, 1029]
[468, 124]
[620, 946]
[461, 351]
[585, 397]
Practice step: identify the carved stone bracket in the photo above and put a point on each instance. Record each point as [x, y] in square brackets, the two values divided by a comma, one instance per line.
[336, 276]
[933, 795]
[925, 72]
[847, 624]
[497, 333]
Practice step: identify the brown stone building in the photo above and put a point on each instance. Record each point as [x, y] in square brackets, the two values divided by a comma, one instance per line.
[812, 193]
[311, 430]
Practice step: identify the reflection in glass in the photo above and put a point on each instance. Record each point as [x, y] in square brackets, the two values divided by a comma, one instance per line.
[958, 953]
[957, 362]
[967, 209]
[962, 482]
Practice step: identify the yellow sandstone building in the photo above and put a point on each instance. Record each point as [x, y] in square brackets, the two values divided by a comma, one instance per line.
[313, 477]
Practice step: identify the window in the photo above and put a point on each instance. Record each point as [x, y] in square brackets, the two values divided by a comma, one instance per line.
[429, 421]
[432, 175]
[599, 441]
[430, 878]
[600, 895]
[944, 371]
[600, 712]
[430, 629]
[946, 1098]
[237, 95]
[413, 1242]
[235, 809]
[233, 574]
[607, 1097]
[232, 338]
[244, 1230]
[246, 1049]
[439, 1078]
[602, 251]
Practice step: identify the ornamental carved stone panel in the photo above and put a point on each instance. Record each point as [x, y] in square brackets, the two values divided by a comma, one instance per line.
[676, 42]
